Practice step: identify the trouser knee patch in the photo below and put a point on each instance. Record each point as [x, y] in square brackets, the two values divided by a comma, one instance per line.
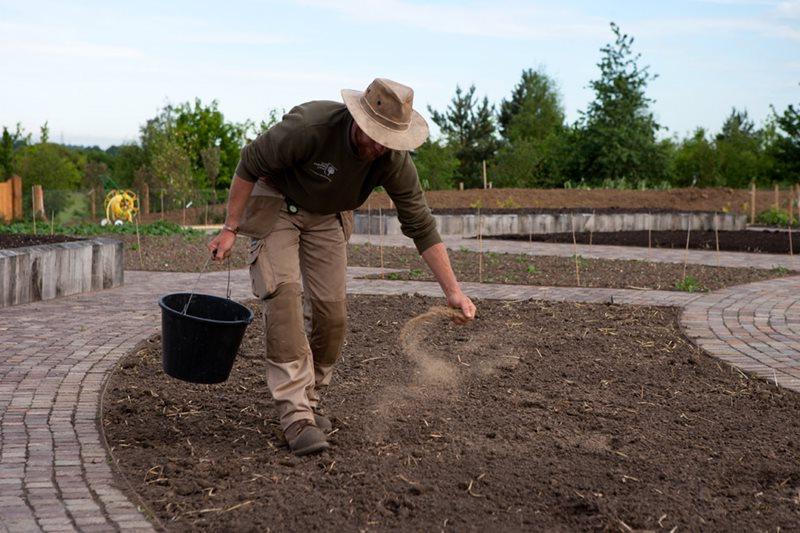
[283, 315]
[328, 326]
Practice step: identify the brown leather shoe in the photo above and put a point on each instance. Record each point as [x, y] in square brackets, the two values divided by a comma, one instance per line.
[322, 422]
[305, 438]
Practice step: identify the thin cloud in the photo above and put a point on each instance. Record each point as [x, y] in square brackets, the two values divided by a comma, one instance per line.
[788, 9]
[84, 50]
[511, 21]
[233, 38]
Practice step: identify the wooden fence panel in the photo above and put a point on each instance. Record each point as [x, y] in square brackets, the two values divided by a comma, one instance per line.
[16, 185]
[6, 201]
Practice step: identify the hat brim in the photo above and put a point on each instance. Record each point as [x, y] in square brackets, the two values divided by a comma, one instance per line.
[409, 139]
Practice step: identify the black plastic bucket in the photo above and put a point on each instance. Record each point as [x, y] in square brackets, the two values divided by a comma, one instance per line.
[200, 346]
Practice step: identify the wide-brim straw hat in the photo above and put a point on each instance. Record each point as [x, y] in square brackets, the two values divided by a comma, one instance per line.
[385, 113]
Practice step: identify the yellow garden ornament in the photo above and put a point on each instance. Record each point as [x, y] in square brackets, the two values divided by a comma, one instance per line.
[121, 206]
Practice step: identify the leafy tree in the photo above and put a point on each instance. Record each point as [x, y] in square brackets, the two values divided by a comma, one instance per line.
[199, 126]
[436, 164]
[94, 174]
[534, 110]
[468, 125]
[172, 166]
[210, 157]
[194, 127]
[740, 152]
[6, 155]
[618, 140]
[45, 133]
[696, 163]
[8, 145]
[785, 150]
[543, 163]
[130, 166]
[532, 122]
[50, 166]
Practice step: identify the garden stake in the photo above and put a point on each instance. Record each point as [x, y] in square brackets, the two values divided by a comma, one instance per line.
[138, 241]
[162, 203]
[530, 236]
[716, 236]
[752, 202]
[52, 222]
[480, 247]
[33, 208]
[205, 221]
[575, 251]
[380, 231]
[369, 234]
[777, 202]
[649, 234]
[686, 253]
[791, 210]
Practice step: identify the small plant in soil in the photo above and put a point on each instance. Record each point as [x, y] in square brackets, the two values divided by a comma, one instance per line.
[781, 270]
[582, 262]
[393, 275]
[415, 272]
[775, 217]
[689, 284]
[532, 269]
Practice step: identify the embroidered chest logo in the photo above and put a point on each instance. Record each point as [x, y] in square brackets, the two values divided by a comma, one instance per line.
[326, 170]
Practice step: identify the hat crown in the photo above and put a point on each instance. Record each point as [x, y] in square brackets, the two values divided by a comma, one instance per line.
[390, 101]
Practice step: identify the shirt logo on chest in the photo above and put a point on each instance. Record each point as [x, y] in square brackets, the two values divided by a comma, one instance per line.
[325, 170]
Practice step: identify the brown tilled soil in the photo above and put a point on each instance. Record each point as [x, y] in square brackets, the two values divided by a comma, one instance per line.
[562, 272]
[536, 417]
[690, 199]
[12, 240]
[765, 241]
[188, 254]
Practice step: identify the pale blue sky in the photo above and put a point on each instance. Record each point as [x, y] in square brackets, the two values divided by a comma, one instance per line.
[97, 70]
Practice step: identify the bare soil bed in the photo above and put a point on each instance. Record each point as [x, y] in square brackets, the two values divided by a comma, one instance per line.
[766, 241]
[188, 254]
[19, 240]
[538, 416]
[520, 269]
[688, 199]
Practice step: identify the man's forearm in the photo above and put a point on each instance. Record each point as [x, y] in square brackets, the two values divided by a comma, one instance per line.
[237, 199]
[439, 262]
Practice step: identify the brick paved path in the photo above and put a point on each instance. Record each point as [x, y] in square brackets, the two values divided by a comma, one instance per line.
[754, 327]
[56, 355]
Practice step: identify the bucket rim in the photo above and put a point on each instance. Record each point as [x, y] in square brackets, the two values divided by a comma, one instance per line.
[169, 309]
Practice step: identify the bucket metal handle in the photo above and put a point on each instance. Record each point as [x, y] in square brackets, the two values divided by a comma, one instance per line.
[194, 286]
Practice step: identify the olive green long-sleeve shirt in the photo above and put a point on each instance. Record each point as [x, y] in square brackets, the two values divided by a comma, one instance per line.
[308, 157]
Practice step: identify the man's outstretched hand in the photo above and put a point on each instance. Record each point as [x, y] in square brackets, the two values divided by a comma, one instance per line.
[462, 301]
[220, 246]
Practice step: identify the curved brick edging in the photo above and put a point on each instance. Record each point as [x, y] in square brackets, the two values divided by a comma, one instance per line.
[57, 355]
[754, 327]
[55, 358]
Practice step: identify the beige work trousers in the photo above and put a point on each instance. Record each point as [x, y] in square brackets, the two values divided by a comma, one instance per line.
[304, 324]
